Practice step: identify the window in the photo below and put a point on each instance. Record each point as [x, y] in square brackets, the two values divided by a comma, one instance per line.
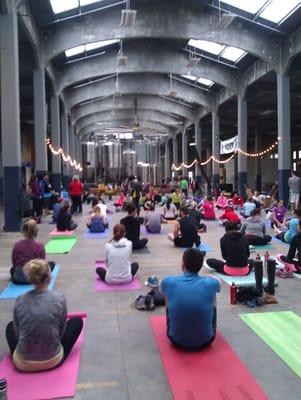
[294, 166]
[278, 10]
[294, 155]
[227, 52]
[59, 6]
[90, 46]
[250, 6]
[233, 54]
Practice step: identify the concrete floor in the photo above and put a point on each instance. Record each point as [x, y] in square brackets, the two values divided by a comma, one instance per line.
[119, 359]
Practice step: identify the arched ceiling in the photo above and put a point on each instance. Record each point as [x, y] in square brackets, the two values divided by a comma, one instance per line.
[142, 73]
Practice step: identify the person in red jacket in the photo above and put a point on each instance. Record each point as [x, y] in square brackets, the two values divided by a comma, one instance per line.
[230, 215]
[237, 201]
[207, 209]
[75, 192]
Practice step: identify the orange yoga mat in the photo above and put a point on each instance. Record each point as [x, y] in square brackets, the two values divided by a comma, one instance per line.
[215, 373]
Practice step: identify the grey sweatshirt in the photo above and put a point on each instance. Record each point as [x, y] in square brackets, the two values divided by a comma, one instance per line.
[254, 226]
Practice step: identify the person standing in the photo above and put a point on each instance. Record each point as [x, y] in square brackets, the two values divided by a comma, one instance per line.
[75, 191]
[36, 196]
[294, 187]
[184, 187]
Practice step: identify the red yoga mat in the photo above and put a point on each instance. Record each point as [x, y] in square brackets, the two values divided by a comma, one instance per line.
[215, 373]
[57, 383]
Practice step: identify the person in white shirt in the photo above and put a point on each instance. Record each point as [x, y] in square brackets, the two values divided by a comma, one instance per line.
[118, 251]
[169, 210]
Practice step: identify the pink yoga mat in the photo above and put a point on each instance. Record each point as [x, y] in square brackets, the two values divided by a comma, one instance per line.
[55, 232]
[101, 286]
[215, 373]
[57, 383]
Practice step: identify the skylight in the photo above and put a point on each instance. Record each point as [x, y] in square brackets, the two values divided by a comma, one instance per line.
[227, 52]
[233, 54]
[88, 47]
[278, 10]
[210, 47]
[203, 81]
[59, 6]
[206, 82]
[190, 77]
[250, 6]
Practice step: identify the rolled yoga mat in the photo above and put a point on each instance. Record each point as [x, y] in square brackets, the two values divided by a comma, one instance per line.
[281, 332]
[60, 244]
[101, 286]
[214, 373]
[13, 290]
[56, 383]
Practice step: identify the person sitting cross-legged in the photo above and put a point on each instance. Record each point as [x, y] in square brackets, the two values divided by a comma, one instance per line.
[185, 232]
[152, 220]
[191, 304]
[26, 250]
[97, 223]
[40, 337]
[64, 220]
[118, 252]
[290, 261]
[254, 229]
[235, 252]
[132, 228]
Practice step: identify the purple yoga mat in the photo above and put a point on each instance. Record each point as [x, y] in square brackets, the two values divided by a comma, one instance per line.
[145, 232]
[57, 383]
[101, 286]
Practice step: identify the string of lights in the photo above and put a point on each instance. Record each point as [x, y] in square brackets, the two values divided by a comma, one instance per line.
[66, 158]
[218, 161]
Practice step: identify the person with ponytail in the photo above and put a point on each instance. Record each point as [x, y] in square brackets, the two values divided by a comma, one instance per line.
[118, 251]
[26, 250]
[40, 337]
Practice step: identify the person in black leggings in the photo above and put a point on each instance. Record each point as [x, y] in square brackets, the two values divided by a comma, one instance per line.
[40, 337]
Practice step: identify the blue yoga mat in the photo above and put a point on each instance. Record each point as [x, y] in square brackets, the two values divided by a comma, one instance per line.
[274, 239]
[91, 235]
[13, 291]
[202, 247]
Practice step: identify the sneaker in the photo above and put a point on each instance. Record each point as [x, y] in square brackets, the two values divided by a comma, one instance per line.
[152, 281]
[144, 303]
[284, 274]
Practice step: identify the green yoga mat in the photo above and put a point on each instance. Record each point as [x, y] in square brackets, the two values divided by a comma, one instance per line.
[281, 332]
[60, 244]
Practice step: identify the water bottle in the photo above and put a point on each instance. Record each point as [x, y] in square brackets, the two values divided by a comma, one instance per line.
[3, 389]
[233, 293]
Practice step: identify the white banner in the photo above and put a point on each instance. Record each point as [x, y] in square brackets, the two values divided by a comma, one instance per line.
[229, 145]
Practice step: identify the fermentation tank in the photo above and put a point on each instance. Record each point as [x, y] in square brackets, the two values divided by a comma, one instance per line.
[111, 161]
[156, 174]
[89, 160]
[130, 162]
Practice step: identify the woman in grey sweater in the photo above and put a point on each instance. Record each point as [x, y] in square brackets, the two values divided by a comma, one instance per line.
[40, 337]
[254, 229]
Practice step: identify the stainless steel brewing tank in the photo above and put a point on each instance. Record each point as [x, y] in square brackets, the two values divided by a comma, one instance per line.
[89, 160]
[130, 162]
[156, 174]
[111, 160]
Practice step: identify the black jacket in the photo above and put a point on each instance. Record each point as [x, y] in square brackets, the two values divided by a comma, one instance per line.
[132, 228]
[235, 249]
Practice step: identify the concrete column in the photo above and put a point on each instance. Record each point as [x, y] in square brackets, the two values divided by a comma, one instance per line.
[10, 120]
[184, 150]
[198, 148]
[242, 128]
[1, 178]
[40, 121]
[167, 160]
[65, 146]
[175, 150]
[258, 163]
[284, 135]
[71, 146]
[56, 142]
[215, 148]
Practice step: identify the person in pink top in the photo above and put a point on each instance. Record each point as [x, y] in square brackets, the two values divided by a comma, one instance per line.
[208, 209]
[222, 201]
